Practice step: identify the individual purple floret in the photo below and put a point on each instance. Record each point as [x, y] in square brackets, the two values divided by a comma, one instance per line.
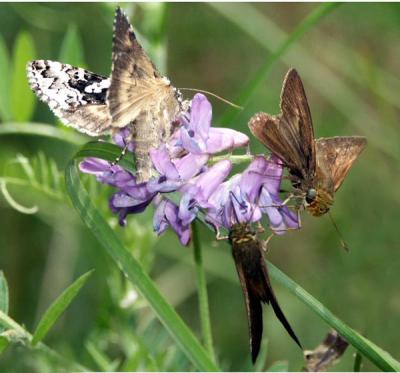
[166, 215]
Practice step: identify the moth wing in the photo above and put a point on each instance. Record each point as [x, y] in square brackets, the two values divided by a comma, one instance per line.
[336, 155]
[75, 95]
[289, 135]
[136, 85]
[253, 308]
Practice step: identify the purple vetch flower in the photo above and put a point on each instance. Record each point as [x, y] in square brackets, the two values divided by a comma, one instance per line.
[198, 137]
[244, 198]
[196, 193]
[181, 164]
[174, 172]
[131, 198]
[166, 215]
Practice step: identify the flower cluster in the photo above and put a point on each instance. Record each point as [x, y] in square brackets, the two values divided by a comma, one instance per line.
[182, 166]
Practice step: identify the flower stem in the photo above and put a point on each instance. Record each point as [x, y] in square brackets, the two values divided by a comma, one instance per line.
[202, 292]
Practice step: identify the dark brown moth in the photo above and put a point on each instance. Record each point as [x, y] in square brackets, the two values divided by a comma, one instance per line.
[136, 95]
[317, 167]
[325, 354]
[247, 252]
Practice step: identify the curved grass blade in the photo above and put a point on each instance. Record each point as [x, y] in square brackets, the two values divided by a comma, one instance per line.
[259, 78]
[44, 130]
[57, 308]
[369, 350]
[123, 258]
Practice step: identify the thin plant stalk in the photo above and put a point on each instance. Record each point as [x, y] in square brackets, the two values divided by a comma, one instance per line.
[204, 310]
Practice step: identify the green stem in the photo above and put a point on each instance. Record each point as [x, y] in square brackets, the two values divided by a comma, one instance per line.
[202, 292]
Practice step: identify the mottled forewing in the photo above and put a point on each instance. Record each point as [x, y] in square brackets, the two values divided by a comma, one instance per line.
[134, 79]
[335, 156]
[75, 95]
[325, 354]
[290, 134]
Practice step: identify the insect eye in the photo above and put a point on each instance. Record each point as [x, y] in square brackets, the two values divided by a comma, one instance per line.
[311, 195]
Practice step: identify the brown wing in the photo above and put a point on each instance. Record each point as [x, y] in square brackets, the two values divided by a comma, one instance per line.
[256, 286]
[290, 134]
[336, 155]
[135, 82]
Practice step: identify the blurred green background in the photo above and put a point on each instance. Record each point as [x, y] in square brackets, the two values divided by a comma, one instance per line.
[349, 64]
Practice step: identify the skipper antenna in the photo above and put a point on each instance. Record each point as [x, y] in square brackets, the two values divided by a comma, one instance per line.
[342, 241]
[214, 95]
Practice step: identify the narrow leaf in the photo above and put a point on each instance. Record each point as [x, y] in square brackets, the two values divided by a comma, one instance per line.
[131, 267]
[71, 48]
[3, 293]
[57, 308]
[5, 112]
[22, 98]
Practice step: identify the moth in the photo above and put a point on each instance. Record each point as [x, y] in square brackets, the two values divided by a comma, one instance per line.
[326, 354]
[317, 167]
[247, 252]
[136, 95]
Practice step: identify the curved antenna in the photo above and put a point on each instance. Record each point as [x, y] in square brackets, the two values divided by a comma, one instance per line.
[342, 241]
[214, 95]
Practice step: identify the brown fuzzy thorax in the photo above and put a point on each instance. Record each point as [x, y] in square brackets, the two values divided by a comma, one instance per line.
[321, 204]
[241, 233]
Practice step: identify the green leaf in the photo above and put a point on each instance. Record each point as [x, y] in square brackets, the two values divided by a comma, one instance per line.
[71, 48]
[129, 265]
[57, 308]
[3, 293]
[5, 72]
[22, 98]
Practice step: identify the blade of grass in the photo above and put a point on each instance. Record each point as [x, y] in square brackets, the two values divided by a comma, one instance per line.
[259, 78]
[375, 354]
[204, 310]
[317, 75]
[23, 100]
[5, 71]
[58, 307]
[3, 293]
[45, 130]
[129, 265]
